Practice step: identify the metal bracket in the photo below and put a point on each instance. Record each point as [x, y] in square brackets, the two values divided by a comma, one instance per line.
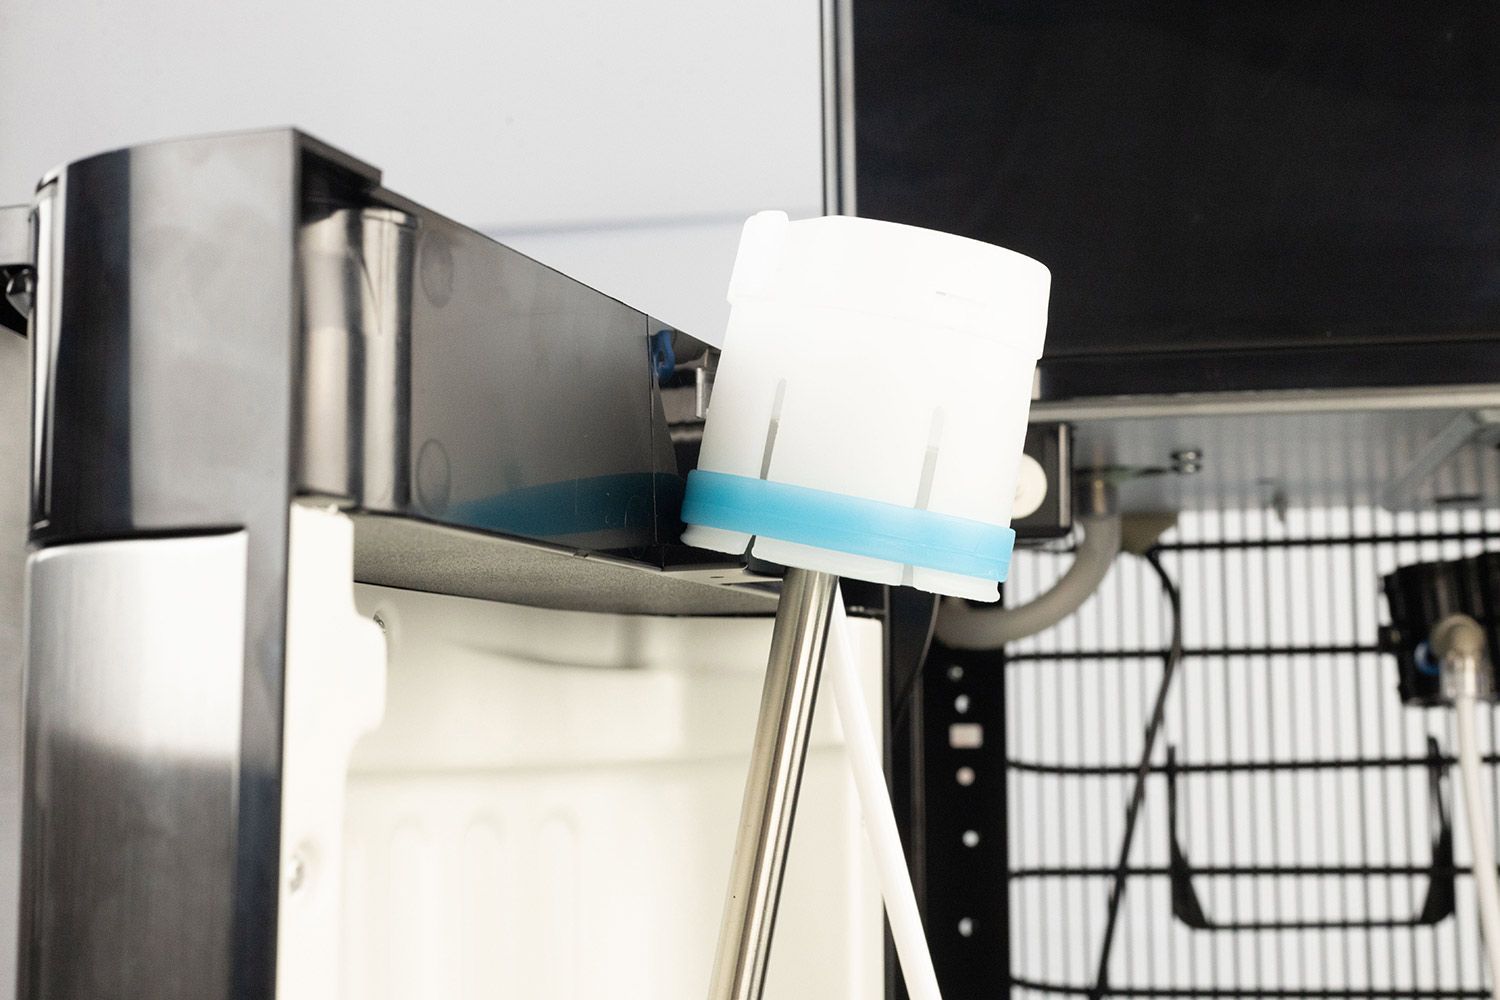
[1477, 426]
[17, 267]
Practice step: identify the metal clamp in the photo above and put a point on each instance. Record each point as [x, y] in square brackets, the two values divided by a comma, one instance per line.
[17, 267]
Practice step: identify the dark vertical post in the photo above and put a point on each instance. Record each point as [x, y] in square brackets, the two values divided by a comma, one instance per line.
[965, 787]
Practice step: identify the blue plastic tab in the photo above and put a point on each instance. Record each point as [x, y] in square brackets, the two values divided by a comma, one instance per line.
[663, 357]
[848, 524]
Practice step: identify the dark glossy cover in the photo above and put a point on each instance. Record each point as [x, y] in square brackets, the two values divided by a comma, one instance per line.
[1255, 178]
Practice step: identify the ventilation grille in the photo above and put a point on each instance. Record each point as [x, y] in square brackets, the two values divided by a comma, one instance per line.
[1310, 809]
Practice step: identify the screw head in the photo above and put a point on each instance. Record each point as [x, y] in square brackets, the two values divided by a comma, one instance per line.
[20, 290]
[1187, 461]
[296, 874]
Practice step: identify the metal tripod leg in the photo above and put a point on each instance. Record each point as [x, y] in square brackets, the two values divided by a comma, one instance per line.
[781, 732]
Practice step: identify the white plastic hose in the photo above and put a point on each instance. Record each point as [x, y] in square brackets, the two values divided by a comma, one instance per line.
[1486, 879]
[961, 626]
[879, 817]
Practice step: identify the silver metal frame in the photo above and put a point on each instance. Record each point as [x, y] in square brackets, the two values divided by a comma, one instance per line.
[837, 26]
[218, 326]
[136, 666]
[14, 447]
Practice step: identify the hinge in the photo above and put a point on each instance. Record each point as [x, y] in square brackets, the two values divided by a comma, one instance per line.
[17, 267]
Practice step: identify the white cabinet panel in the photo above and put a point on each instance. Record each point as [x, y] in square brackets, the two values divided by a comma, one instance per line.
[548, 811]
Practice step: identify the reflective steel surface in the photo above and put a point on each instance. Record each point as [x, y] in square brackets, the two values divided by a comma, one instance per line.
[219, 325]
[14, 371]
[136, 653]
[357, 268]
[770, 804]
[163, 348]
[480, 388]
[450, 378]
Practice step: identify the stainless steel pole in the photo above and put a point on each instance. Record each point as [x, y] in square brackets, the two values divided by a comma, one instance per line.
[781, 732]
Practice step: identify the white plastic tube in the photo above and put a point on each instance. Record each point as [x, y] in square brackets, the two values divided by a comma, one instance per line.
[880, 818]
[960, 626]
[1486, 880]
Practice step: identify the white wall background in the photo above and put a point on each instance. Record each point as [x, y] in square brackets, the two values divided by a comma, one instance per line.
[622, 143]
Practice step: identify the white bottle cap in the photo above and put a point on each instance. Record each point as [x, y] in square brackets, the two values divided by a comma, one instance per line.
[871, 401]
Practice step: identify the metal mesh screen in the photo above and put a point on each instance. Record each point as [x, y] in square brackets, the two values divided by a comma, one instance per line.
[1299, 835]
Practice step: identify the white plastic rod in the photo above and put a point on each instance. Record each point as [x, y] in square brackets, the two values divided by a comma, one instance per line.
[879, 817]
[1486, 880]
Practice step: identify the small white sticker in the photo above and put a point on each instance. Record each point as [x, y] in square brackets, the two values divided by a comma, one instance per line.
[966, 736]
[1031, 488]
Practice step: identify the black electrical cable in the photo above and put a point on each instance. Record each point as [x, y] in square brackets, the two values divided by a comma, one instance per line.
[903, 700]
[1172, 658]
[902, 703]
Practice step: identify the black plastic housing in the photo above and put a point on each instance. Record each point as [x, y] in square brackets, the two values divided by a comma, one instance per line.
[1424, 594]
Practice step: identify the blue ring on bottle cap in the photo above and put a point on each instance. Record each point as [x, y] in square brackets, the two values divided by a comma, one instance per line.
[852, 525]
